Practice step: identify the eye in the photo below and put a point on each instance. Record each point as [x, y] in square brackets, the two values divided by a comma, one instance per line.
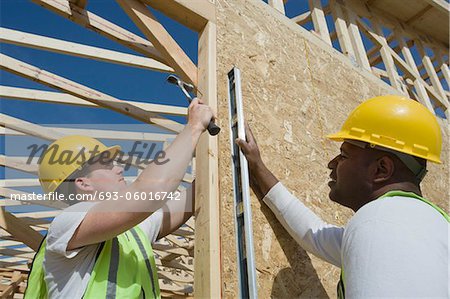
[343, 156]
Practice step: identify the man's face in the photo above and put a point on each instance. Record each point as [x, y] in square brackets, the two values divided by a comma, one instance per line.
[350, 183]
[106, 177]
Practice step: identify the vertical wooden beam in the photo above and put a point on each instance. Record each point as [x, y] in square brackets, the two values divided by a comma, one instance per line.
[342, 30]
[319, 21]
[193, 14]
[278, 5]
[428, 64]
[387, 58]
[418, 86]
[80, 3]
[161, 39]
[207, 278]
[446, 73]
[355, 37]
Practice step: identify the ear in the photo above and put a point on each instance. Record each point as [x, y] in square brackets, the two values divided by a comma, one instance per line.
[84, 184]
[385, 168]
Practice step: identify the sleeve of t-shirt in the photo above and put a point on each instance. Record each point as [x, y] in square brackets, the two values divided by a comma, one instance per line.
[152, 224]
[310, 231]
[63, 227]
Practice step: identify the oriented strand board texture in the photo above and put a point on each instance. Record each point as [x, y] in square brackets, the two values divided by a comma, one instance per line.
[294, 94]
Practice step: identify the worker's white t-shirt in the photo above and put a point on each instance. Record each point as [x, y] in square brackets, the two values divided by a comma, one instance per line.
[67, 273]
[392, 247]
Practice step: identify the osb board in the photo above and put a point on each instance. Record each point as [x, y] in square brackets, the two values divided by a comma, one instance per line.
[295, 92]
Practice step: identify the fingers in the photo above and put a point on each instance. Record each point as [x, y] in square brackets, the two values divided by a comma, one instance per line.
[242, 144]
[249, 134]
[199, 114]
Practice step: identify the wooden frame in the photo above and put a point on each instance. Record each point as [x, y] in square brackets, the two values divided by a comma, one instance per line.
[351, 19]
[162, 54]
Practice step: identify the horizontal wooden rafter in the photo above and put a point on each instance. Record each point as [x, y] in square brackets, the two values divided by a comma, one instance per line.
[100, 134]
[20, 229]
[65, 47]
[31, 72]
[18, 164]
[18, 93]
[104, 27]
[29, 128]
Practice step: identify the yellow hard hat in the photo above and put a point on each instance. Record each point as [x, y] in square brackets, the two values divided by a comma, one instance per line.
[396, 123]
[67, 155]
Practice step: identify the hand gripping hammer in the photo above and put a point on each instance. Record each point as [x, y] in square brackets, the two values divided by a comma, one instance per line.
[213, 129]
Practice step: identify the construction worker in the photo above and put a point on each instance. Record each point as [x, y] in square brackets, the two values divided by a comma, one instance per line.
[396, 244]
[101, 248]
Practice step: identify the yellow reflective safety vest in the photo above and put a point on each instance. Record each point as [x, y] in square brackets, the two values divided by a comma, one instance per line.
[124, 268]
[341, 283]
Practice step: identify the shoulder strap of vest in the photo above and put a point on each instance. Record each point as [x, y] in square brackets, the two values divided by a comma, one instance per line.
[413, 195]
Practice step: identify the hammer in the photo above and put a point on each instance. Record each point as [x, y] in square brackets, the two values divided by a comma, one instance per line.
[213, 129]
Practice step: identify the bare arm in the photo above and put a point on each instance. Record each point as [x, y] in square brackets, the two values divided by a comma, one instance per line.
[177, 212]
[107, 220]
[261, 178]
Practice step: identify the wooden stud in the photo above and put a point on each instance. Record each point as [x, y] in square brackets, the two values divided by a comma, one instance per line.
[432, 74]
[319, 21]
[104, 27]
[65, 47]
[387, 59]
[277, 5]
[161, 39]
[17, 93]
[80, 3]
[446, 73]
[29, 71]
[207, 279]
[422, 95]
[342, 31]
[192, 14]
[355, 38]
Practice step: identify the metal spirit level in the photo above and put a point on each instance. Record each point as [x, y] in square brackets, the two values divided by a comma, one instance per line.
[241, 187]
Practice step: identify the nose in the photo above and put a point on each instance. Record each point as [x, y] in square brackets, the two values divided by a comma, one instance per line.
[332, 163]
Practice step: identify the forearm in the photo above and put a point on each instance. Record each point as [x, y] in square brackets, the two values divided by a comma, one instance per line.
[310, 231]
[177, 212]
[166, 175]
[261, 179]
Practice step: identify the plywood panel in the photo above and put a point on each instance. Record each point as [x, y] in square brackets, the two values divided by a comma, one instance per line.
[295, 92]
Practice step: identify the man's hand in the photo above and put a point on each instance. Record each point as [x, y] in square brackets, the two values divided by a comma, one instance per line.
[261, 179]
[199, 115]
[250, 148]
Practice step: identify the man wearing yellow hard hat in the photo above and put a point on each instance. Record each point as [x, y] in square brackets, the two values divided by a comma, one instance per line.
[396, 244]
[101, 248]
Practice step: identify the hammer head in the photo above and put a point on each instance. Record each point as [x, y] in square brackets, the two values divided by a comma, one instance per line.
[185, 87]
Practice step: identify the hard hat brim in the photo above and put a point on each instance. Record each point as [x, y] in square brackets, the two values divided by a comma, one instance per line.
[342, 136]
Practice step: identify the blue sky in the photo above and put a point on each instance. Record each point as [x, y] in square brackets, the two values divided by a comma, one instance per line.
[122, 82]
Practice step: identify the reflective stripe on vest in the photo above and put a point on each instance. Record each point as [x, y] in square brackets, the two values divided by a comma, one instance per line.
[125, 268]
[341, 283]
